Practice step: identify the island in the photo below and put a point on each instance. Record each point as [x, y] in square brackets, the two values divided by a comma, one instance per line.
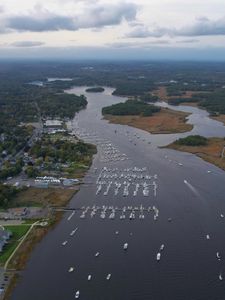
[147, 117]
[95, 90]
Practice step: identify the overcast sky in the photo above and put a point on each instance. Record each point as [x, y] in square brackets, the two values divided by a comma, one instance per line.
[179, 29]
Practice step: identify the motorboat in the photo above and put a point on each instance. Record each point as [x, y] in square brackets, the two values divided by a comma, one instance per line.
[218, 255]
[222, 216]
[71, 269]
[102, 215]
[125, 246]
[162, 247]
[220, 276]
[158, 256]
[77, 295]
[108, 276]
[64, 243]
[207, 237]
[73, 232]
[97, 254]
[122, 217]
[89, 277]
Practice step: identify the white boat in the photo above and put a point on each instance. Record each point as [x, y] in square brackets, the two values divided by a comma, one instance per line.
[220, 276]
[97, 254]
[64, 243]
[158, 256]
[125, 246]
[77, 295]
[185, 181]
[73, 232]
[207, 237]
[117, 232]
[218, 255]
[162, 247]
[71, 269]
[108, 276]
[222, 216]
[89, 277]
[102, 215]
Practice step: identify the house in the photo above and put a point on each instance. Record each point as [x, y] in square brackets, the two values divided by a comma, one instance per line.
[70, 182]
[19, 212]
[4, 237]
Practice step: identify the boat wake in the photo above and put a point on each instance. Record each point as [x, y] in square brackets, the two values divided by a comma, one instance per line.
[193, 189]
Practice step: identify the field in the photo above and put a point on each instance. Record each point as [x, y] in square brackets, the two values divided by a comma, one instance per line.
[163, 96]
[43, 197]
[210, 153]
[165, 121]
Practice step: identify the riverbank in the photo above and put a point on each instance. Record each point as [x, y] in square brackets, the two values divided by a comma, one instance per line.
[163, 122]
[212, 152]
[43, 201]
[18, 263]
[220, 118]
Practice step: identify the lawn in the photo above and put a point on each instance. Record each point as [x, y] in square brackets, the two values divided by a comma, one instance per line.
[18, 231]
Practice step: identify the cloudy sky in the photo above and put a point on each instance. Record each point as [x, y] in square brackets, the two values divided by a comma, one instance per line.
[179, 29]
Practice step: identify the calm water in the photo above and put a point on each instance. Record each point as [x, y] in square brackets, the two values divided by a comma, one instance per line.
[188, 268]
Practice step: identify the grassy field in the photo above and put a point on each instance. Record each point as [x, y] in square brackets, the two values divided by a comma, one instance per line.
[210, 153]
[18, 231]
[165, 121]
[163, 96]
[220, 118]
[43, 197]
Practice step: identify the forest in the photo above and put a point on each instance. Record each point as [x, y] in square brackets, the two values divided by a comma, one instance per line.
[131, 107]
[192, 140]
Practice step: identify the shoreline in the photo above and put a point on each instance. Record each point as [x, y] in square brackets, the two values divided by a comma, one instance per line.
[166, 121]
[35, 236]
[211, 153]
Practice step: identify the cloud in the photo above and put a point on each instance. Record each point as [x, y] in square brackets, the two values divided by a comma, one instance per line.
[202, 27]
[51, 23]
[95, 15]
[142, 31]
[188, 41]
[27, 44]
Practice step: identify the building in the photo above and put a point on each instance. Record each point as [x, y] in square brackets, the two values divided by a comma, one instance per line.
[57, 124]
[70, 182]
[4, 237]
[43, 184]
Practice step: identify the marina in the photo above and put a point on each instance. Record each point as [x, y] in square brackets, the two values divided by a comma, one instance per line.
[163, 204]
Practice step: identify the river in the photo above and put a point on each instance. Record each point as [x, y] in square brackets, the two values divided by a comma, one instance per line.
[190, 194]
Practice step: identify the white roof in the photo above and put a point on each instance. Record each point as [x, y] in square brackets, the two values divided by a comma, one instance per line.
[53, 123]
